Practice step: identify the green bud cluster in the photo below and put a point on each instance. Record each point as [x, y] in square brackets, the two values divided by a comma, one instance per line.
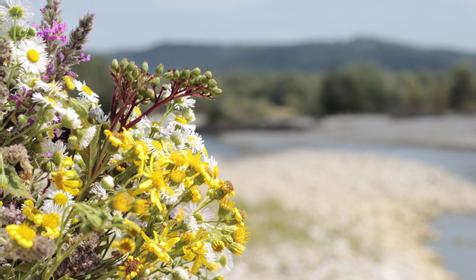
[195, 78]
[18, 33]
[136, 86]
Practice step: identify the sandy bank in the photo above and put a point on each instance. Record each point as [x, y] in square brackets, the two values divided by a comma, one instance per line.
[335, 215]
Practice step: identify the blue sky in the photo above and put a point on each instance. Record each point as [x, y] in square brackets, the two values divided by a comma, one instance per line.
[138, 24]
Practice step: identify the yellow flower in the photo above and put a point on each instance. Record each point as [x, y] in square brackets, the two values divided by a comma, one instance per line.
[66, 178]
[69, 82]
[122, 202]
[130, 268]
[122, 139]
[196, 195]
[22, 234]
[177, 175]
[218, 245]
[51, 224]
[241, 235]
[141, 150]
[141, 207]
[132, 228]
[116, 142]
[29, 210]
[238, 216]
[160, 245]
[125, 245]
[196, 251]
[155, 182]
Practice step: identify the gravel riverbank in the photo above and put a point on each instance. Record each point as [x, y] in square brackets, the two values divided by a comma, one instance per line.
[340, 215]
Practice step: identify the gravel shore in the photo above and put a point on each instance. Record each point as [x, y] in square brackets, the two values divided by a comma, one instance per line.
[339, 215]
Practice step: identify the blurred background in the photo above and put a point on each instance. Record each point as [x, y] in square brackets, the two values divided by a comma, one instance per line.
[347, 127]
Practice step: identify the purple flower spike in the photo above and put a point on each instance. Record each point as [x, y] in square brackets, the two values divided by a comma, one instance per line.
[53, 33]
[85, 57]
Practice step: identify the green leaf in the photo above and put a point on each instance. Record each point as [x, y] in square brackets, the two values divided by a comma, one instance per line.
[15, 184]
[90, 153]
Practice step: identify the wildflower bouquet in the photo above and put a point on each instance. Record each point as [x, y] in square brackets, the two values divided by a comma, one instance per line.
[89, 195]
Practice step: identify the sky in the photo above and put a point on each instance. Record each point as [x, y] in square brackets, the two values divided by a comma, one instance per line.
[139, 24]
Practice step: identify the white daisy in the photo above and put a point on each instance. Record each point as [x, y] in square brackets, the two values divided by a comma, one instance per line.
[167, 90]
[86, 92]
[46, 100]
[27, 80]
[50, 148]
[225, 259]
[70, 119]
[172, 199]
[192, 215]
[57, 199]
[184, 103]
[51, 88]
[98, 114]
[14, 11]
[32, 56]
[178, 121]
[142, 128]
[99, 191]
[195, 142]
[88, 135]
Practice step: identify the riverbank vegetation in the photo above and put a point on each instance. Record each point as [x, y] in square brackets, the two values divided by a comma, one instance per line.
[254, 96]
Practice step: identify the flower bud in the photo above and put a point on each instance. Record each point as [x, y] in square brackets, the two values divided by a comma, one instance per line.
[196, 71]
[107, 182]
[185, 74]
[208, 74]
[131, 66]
[217, 91]
[124, 63]
[150, 93]
[237, 248]
[168, 75]
[73, 142]
[23, 120]
[212, 83]
[31, 32]
[155, 81]
[115, 64]
[159, 69]
[145, 66]
[176, 74]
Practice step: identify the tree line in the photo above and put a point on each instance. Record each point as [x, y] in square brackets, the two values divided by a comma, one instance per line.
[357, 88]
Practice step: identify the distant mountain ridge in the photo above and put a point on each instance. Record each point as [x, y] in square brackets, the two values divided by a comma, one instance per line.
[300, 57]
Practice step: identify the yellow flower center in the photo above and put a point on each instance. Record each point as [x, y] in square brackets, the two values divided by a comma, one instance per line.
[157, 179]
[181, 120]
[60, 199]
[51, 101]
[33, 55]
[87, 90]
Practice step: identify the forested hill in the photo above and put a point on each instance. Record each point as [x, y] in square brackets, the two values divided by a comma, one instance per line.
[303, 57]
